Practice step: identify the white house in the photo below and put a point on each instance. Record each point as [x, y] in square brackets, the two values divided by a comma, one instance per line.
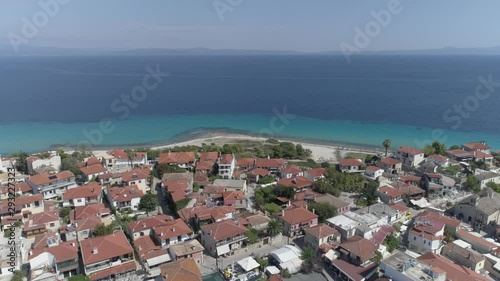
[484, 178]
[350, 165]
[409, 156]
[82, 195]
[227, 163]
[127, 197]
[426, 237]
[38, 165]
[121, 158]
[373, 172]
[440, 160]
[52, 185]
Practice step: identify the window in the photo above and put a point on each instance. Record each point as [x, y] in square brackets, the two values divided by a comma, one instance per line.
[52, 224]
[414, 238]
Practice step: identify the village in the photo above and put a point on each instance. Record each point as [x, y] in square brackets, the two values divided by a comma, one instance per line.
[210, 212]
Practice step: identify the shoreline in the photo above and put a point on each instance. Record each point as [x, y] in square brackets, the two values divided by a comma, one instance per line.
[321, 150]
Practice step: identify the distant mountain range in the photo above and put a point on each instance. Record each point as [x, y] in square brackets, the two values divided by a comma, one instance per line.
[6, 50]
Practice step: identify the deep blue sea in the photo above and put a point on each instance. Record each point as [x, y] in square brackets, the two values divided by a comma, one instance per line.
[51, 100]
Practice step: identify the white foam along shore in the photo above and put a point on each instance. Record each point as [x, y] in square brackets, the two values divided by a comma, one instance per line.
[320, 152]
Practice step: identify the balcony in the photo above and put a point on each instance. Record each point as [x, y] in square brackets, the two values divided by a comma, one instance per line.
[231, 240]
[66, 266]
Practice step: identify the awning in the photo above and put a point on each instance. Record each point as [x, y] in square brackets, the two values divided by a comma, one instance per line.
[158, 260]
[422, 203]
[222, 250]
[248, 264]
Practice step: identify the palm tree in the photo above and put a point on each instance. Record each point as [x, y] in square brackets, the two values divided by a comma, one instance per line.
[274, 228]
[387, 143]
[130, 155]
[308, 253]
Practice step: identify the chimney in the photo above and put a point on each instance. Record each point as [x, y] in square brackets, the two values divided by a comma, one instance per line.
[144, 224]
[307, 207]
[314, 211]
[173, 229]
[282, 213]
[94, 250]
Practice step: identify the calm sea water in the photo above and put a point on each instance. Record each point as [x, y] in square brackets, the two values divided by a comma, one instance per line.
[52, 100]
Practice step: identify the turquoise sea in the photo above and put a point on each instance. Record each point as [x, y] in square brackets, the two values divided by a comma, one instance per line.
[146, 130]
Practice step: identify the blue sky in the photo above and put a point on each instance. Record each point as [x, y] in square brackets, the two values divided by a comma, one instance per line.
[318, 25]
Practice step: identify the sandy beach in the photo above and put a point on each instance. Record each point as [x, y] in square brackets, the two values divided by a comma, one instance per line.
[320, 152]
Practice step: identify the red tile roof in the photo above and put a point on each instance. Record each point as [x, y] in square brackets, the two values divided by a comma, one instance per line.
[176, 158]
[122, 268]
[439, 158]
[108, 246]
[145, 244]
[373, 168]
[409, 178]
[178, 189]
[360, 247]
[296, 215]
[351, 162]
[65, 251]
[135, 174]
[125, 194]
[259, 172]
[410, 189]
[436, 217]
[245, 162]
[390, 161]
[269, 163]
[476, 146]
[204, 166]
[296, 182]
[209, 156]
[90, 210]
[182, 270]
[410, 150]
[292, 169]
[206, 213]
[93, 169]
[39, 220]
[172, 229]
[91, 190]
[318, 172]
[41, 179]
[233, 195]
[148, 223]
[454, 272]
[321, 231]
[223, 230]
[398, 207]
[226, 159]
[392, 192]
[467, 236]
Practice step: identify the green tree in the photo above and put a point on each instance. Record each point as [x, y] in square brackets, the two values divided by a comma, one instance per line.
[79, 277]
[449, 236]
[274, 228]
[102, 229]
[472, 184]
[308, 253]
[267, 180]
[378, 257]
[285, 273]
[311, 260]
[323, 210]
[130, 156]
[453, 147]
[253, 236]
[18, 276]
[272, 208]
[368, 196]
[71, 164]
[435, 148]
[494, 186]
[22, 162]
[387, 144]
[325, 165]
[392, 243]
[263, 262]
[284, 191]
[148, 202]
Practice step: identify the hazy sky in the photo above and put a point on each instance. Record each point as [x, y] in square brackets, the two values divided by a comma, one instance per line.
[317, 25]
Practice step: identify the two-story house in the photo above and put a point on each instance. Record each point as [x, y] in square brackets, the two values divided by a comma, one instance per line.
[83, 195]
[226, 165]
[57, 260]
[52, 185]
[191, 249]
[223, 238]
[291, 171]
[440, 160]
[177, 190]
[315, 174]
[92, 210]
[410, 156]
[122, 158]
[321, 234]
[236, 199]
[37, 165]
[182, 159]
[476, 146]
[205, 214]
[479, 209]
[390, 165]
[373, 172]
[389, 194]
[463, 256]
[297, 183]
[351, 165]
[107, 257]
[426, 237]
[138, 176]
[92, 169]
[296, 219]
[143, 227]
[272, 165]
[358, 251]
[127, 197]
[171, 232]
[41, 222]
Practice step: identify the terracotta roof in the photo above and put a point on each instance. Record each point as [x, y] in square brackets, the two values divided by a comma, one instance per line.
[39, 220]
[269, 163]
[476, 145]
[428, 232]
[275, 277]
[135, 174]
[182, 270]
[360, 247]
[410, 189]
[93, 169]
[176, 158]
[200, 176]
[125, 194]
[209, 156]
[178, 189]
[108, 246]
[65, 251]
[226, 159]
[245, 162]
[145, 244]
[223, 230]
[409, 178]
[467, 236]
[91, 190]
[122, 268]
[172, 229]
[204, 166]
[233, 195]
[121, 154]
[392, 192]
[292, 169]
[390, 161]
[206, 213]
[296, 215]
[351, 162]
[357, 273]
[436, 217]
[22, 187]
[481, 155]
[459, 153]
[410, 150]
[41, 179]
[90, 210]
[147, 223]
[373, 168]
[454, 272]
[212, 189]
[259, 172]
[25, 200]
[296, 182]
[318, 172]
[321, 231]
[87, 223]
[41, 239]
[439, 158]
[398, 207]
